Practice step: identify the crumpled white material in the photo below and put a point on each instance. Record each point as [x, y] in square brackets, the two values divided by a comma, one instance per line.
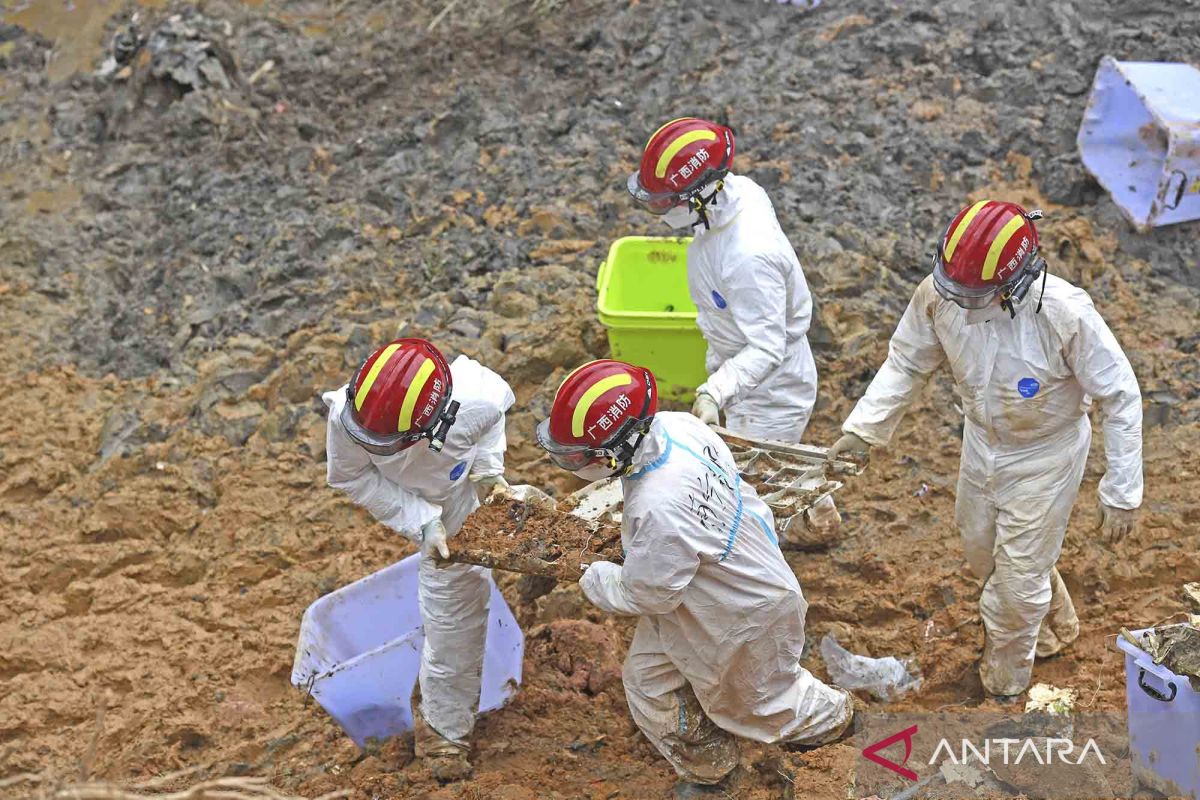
[887, 678]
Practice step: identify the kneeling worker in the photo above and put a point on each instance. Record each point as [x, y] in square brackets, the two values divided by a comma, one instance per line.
[402, 395]
[717, 650]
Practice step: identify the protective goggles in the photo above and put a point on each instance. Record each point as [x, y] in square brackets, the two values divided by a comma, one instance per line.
[967, 297]
[390, 444]
[659, 203]
[571, 457]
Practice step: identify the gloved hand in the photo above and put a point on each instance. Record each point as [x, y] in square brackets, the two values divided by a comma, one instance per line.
[848, 445]
[433, 538]
[706, 409]
[494, 487]
[1117, 523]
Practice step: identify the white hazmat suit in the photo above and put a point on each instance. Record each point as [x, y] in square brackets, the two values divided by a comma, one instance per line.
[1025, 385]
[754, 309]
[717, 650]
[415, 486]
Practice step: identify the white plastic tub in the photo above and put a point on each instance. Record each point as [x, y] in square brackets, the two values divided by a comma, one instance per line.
[1140, 137]
[359, 652]
[1164, 725]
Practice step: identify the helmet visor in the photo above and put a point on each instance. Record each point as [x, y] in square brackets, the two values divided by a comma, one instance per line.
[376, 443]
[657, 203]
[968, 297]
[570, 457]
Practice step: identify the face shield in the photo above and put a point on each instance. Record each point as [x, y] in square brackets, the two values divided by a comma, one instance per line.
[570, 457]
[968, 297]
[389, 444]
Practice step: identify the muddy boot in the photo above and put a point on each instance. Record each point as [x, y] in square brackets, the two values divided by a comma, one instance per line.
[839, 734]
[447, 760]
[1060, 627]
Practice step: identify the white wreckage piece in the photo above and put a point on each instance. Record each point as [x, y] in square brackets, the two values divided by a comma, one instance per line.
[790, 479]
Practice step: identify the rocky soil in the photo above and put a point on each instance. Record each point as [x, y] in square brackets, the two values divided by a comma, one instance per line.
[191, 252]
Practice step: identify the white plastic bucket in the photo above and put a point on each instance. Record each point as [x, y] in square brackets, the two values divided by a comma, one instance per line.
[359, 652]
[1140, 137]
[1164, 725]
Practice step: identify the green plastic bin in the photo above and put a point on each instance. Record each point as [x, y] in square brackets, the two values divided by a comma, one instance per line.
[642, 299]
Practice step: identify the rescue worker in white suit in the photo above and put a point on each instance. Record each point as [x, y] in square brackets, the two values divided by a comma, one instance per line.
[404, 394]
[752, 301]
[1026, 373]
[717, 650]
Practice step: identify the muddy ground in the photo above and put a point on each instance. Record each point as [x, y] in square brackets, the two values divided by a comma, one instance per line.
[183, 270]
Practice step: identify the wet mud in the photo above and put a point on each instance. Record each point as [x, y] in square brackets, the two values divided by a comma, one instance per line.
[183, 269]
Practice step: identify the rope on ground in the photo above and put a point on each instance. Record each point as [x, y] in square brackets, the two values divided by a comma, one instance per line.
[231, 788]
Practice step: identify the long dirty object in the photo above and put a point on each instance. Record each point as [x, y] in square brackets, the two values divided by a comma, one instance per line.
[1140, 137]
[360, 649]
[533, 539]
[537, 539]
[790, 478]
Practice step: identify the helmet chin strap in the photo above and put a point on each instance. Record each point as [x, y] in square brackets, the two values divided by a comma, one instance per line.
[621, 461]
[699, 204]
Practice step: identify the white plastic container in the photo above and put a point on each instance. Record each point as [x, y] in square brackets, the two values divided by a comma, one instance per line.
[1164, 725]
[359, 652]
[1140, 137]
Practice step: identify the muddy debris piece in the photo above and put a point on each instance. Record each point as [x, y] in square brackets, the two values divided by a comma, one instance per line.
[533, 539]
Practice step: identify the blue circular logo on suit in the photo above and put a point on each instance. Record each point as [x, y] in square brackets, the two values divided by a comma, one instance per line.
[1028, 387]
[718, 301]
[458, 470]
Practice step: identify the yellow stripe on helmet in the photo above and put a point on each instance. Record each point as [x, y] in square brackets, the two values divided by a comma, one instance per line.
[663, 127]
[660, 169]
[952, 242]
[414, 391]
[589, 397]
[361, 395]
[993, 257]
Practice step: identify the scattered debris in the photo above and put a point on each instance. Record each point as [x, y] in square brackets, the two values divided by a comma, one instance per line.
[886, 678]
[1050, 699]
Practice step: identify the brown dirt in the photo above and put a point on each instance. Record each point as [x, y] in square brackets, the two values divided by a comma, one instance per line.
[532, 539]
[164, 518]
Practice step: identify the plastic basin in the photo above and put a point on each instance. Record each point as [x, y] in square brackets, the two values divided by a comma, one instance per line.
[1140, 137]
[1164, 725]
[643, 302]
[359, 653]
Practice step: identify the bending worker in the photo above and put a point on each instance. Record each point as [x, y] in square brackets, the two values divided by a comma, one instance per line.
[1026, 373]
[752, 301]
[410, 439]
[717, 650]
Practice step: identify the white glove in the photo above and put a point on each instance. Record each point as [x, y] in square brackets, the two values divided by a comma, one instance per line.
[706, 409]
[849, 444]
[433, 538]
[1117, 523]
[494, 487]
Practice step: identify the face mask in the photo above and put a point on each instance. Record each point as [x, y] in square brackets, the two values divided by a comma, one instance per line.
[680, 217]
[975, 316]
[594, 472]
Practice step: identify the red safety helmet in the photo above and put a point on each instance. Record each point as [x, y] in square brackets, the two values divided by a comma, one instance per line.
[399, 396]
[990, 248]
[680, 159]
[596, 412]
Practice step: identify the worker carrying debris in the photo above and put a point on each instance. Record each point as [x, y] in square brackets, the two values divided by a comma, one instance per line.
[402, 395]
[1026, 373]
[752, 301]
[717, 650]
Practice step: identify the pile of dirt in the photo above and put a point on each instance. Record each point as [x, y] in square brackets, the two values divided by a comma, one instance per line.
[183, 272]
[533, 539]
